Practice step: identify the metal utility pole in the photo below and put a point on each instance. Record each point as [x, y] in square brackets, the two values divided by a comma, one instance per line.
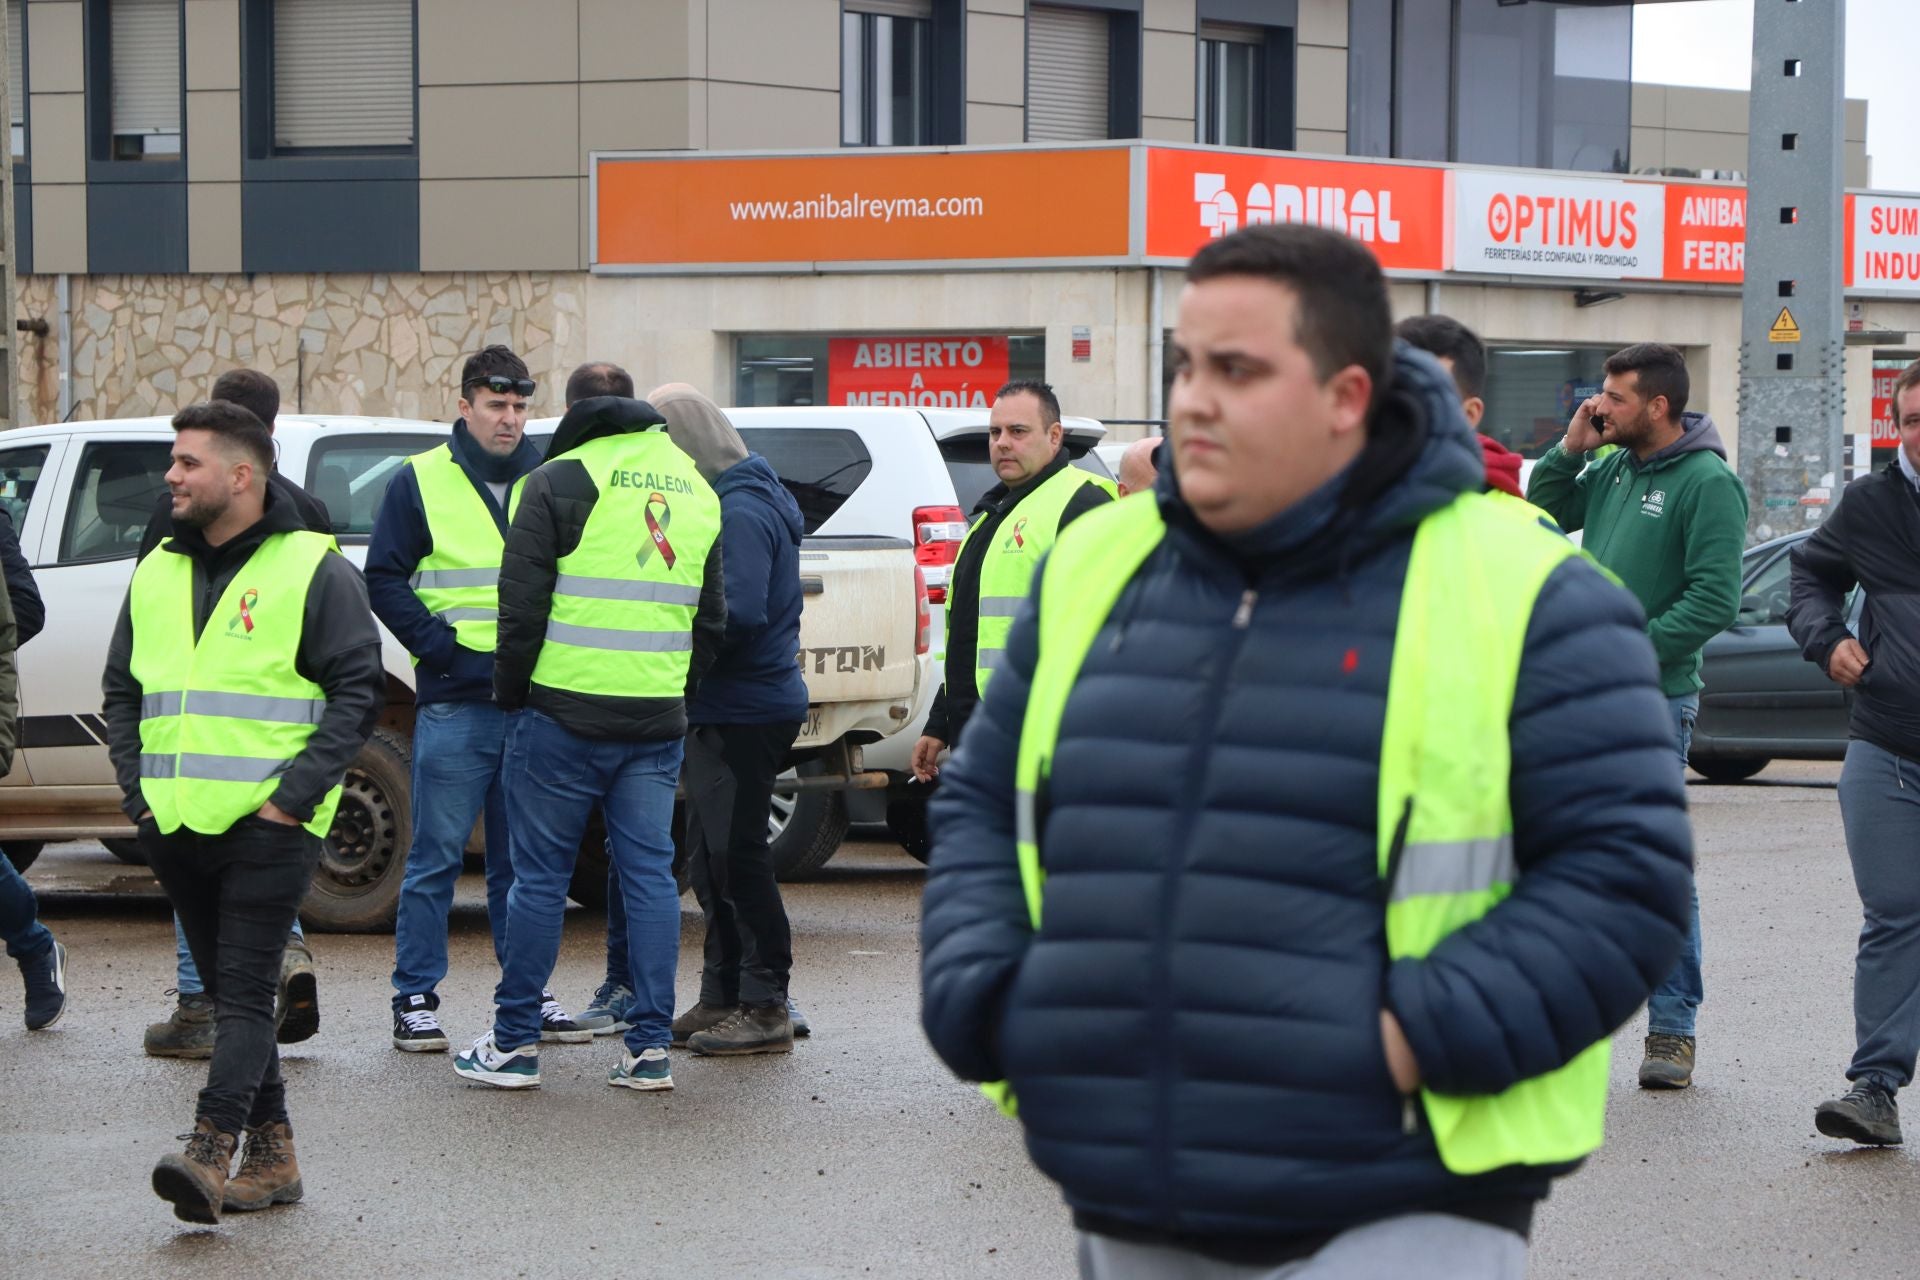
[1792, 330]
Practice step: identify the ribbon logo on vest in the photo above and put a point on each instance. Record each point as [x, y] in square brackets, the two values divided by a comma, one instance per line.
[1016, 540]
[244, 618]
[657, 532]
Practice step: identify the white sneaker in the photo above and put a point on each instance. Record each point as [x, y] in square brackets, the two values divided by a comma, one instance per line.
[485, 1063]
[647, 1069]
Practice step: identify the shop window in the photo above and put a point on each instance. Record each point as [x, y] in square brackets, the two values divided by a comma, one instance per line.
[143, 60]
[1533, 391]
[777, 369]
[343, 76]
[886, 73]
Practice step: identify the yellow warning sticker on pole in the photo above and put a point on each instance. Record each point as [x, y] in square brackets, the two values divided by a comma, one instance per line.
[1785, 328]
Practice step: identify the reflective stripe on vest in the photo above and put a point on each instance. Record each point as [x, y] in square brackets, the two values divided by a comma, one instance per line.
[459, 579]
[624, 601]
[1023, 536]
[1445, 844]
[223, 716]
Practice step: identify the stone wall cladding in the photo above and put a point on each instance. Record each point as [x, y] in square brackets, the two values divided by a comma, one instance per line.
[344, 343]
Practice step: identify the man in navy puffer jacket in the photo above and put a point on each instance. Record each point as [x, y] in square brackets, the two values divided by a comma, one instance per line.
[1211, 1050]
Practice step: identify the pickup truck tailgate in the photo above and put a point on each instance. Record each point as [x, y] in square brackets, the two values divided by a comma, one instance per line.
[857, 633]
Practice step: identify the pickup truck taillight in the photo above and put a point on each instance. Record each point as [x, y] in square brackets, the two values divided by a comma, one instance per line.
[922, 615]
[937, 532]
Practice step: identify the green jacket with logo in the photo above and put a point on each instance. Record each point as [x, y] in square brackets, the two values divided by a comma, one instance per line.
[1672, 528]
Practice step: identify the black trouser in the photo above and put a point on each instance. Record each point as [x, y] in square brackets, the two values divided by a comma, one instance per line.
[729, 775]
[237, 895]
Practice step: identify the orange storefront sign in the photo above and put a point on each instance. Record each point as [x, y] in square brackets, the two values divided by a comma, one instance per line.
[660, 213]
[1706, 234]
[1398, 211]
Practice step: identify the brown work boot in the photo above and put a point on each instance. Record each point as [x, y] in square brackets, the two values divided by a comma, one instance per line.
[269, 1174]
[1668, 1064]
[698, 1019]
[187, 1032]
[196, 1180]
[753, 1028]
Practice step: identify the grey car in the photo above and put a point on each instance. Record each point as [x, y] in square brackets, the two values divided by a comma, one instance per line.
[1762, 700]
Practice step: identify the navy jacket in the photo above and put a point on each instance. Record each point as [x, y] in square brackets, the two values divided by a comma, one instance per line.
[756, 677]
[447, 671]
[1194, 1031]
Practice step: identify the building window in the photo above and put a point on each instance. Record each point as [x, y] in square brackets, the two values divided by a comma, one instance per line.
[17, 75]
[886, 74]
[1069, 89]
[1229, 93]
[343, 75]
[143, 58]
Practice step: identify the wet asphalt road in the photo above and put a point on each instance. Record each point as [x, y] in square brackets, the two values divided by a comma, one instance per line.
[857, 1155]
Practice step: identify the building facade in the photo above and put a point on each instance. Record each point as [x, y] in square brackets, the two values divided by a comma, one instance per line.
[352, 194]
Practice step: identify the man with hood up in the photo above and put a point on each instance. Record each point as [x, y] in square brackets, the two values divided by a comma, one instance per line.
[1668, 516]
[611, 610]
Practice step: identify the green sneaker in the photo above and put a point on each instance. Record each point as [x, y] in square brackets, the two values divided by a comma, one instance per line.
[647, 1070]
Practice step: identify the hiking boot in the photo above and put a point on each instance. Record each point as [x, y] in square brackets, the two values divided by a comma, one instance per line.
[187, 1032]
[487, 1063]
[1867, 1115]
[269, 1174]
[46, 979]
[196, 1181]
[753, 1028]
[556, 1025]
[416, 1028]
[801, 1027]
[1668, 1064]
[296, 1014]
[607, 1012]
[698, 1019]
[646, 1070]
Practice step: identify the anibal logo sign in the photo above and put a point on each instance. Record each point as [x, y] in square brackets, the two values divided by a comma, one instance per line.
[1363, 213]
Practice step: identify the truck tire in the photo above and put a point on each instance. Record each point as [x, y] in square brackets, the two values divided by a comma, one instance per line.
[127, 849]
[21, 853]
[1729, 768]
[357, 886]
[807, 828]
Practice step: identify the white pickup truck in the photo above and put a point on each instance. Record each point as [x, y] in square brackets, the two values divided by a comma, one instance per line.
[81, 494]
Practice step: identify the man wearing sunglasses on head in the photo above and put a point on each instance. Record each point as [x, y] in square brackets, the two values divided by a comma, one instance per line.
[433, 569]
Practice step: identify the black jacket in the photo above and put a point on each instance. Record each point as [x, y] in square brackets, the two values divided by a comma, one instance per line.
[547, 525]
[958, 695]
[308, 510]
[1871, 539]
[1193, 1032]
[339, 651]
[23, 593]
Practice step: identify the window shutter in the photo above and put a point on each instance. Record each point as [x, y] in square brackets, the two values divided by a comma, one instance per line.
[1067, 51]
[16, 63]
[922, 9]
[343, 73]
[145, 43]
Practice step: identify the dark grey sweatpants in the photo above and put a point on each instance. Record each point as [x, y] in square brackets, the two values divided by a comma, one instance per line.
[1880, 805]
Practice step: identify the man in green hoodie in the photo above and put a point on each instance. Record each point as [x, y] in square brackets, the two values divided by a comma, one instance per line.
[1668, 516]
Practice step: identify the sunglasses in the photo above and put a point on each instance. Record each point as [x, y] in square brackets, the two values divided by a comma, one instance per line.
[500, 384]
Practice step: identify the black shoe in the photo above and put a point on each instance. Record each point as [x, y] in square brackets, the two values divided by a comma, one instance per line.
[753, 1028]
[1669, 1062]
[1867, 1115]
[46, 979]
[416, 1029]
[698, 1019]
[297, 1012]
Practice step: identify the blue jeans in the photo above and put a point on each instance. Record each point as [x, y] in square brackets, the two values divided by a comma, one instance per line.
[459, 758]
[20, 914]
[554, 779]
[1675, 1002]
[1880, 805]
[186, 973]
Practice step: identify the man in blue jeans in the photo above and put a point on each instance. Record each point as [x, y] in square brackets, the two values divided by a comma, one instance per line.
[433, 570]
[611, 609]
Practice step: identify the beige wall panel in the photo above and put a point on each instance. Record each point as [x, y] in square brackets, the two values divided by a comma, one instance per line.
[793, 42]
[1706, 110]
[1646, 149]
[1649, 109]
[55, 61]
[57, 137]
[1170, 15]
[498, 41]
[759, 117]
[1017, 8]
[1689, 150]
[1323, 22]
[1169, 70]
[213, 226]
[213, 136]
[1167, 129]
[642, 39]
[59, 228]
[528, 130]
[1321, 95]
[996, 60]
[1856, 120]
[213, 44]
[1859, 166]
[1321, 142]
[465, 226]
[989, 122]
[637, 115]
